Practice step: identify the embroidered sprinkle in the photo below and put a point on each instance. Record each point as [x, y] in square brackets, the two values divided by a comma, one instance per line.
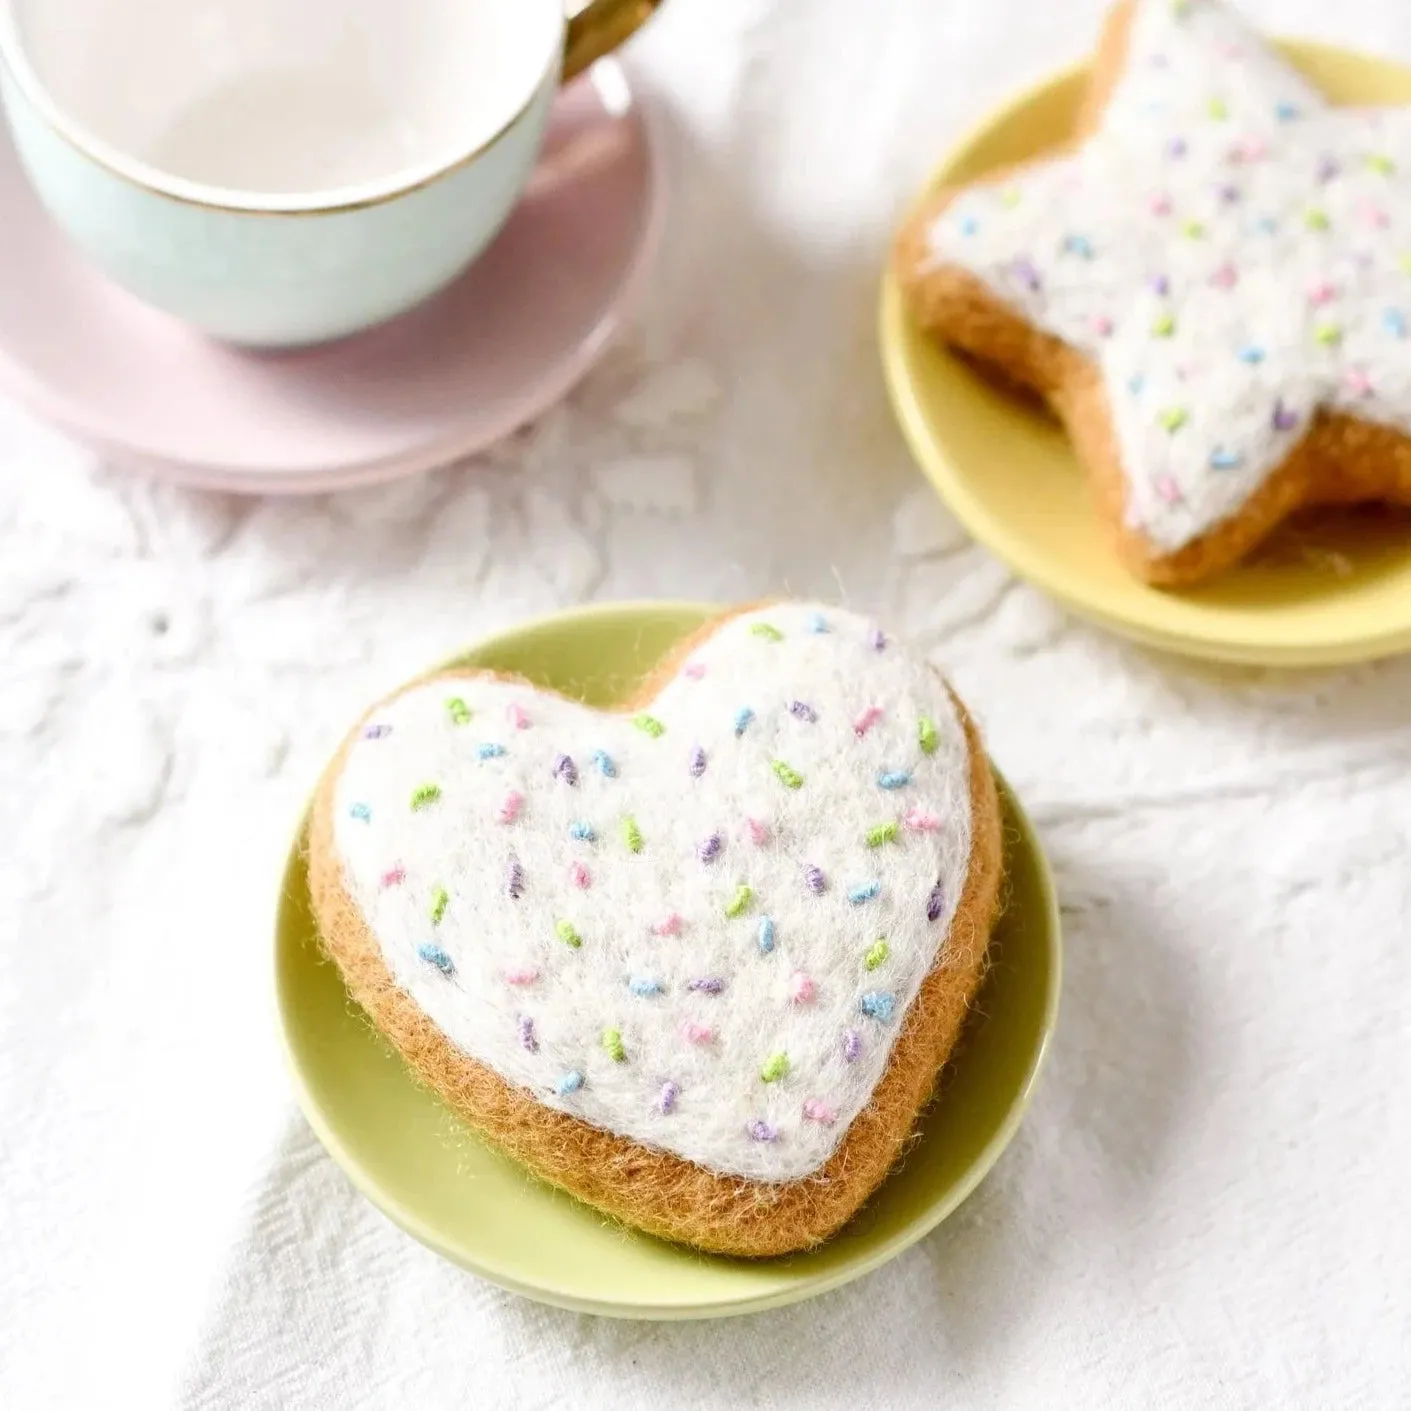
[509, 809]
[893, 779]
[817, 622]
[707, 985]
[644, 985]
[459, 712]
[631, 834]
[935, 903]
[877, 954]
[881, 833]
[698, 762]
[740, 901]
[766, 934]
[919, 821]
[759, 833]
[425, 794]
[394, 876]
[775, 1067]
[743, 716]
[926, 735]
[865, 891]
[815, 879]
[878, 1004]
[852, 1045]
[1394, 321]
[803, 711]
[434, 955]
[699, 1033]
[866, 720]
[1225, 460]
[877, 640]
[819, 1112]
[521, 977]
[514, 879]
[570, 1083]
[565, 769]
[667, 1099]
[612, 1045]
[709, 849]
[517, 717]
[376, 732]
[605, 765]
[583, 832]
[440, 900]
[579, 875]
[489, 750]
[802, 989]
[1172, 419]
[568, 934]
[670, 926]
[362, 812]
[762, 1131]
[526, 1034]
[790, 778]
[767, 631]
[650, 725]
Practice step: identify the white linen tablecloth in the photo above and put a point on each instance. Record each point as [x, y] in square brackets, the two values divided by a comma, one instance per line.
[1210, 1203]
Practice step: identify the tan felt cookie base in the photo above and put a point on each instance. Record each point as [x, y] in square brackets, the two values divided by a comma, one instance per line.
[640, 1185]
[1340, 461]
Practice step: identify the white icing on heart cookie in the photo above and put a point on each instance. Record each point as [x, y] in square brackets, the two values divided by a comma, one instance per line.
[699, 927]
[1233, 252]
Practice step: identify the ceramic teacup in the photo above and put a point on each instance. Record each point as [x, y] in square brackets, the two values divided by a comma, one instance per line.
[281, 173]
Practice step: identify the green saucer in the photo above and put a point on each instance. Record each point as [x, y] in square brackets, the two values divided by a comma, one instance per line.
[421, 1167]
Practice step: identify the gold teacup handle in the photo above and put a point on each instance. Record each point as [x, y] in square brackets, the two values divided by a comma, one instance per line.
[598, 28]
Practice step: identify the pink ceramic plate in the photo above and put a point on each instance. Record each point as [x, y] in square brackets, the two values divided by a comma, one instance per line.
[505, 341]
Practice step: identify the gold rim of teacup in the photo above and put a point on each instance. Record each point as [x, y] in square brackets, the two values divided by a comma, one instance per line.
[589, 35]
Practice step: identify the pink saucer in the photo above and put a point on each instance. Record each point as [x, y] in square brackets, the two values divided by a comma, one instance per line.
[509, 338]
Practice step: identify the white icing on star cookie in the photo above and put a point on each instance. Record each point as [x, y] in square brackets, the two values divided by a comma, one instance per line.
[1233, 252]
[700, 928]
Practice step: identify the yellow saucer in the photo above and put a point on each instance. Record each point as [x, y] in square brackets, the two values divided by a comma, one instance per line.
[1338, 590]
[422, 1168]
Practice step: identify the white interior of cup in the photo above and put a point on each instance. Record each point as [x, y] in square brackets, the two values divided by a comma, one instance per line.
[280, 103]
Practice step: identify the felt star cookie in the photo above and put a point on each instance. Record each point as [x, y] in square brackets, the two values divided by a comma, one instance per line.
[699, 960]
[1212, 288]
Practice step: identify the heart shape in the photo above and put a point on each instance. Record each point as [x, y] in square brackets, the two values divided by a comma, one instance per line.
[698, 962]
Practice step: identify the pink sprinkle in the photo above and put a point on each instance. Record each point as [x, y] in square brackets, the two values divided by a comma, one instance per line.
[699, 1033]
[1169, 490]
[819, 1112]
[580, 876]
[509, 810]
[921, 822]
[393, 875]
[866, 720]
[1102, 325]
[1358, 382]
[802, 989]
[521, 977]
[695, 670]
[1225, 277]
[518, 718]
[1252, 149]
[1231, 51]
[759, 834]
[1161, 205]
[1374, 215]
[1322, 292]
[670, 927]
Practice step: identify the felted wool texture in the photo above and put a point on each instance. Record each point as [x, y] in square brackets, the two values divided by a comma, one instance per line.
[1212, 288]
[756, 1207]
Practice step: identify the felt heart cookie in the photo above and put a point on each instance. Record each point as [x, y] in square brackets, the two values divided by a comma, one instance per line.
[1212, 288]
[698, 960]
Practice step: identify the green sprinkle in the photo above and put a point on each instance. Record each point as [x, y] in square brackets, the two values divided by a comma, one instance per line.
[926, 735]
[1163, 325]
[650, 725]
[766, 630]
[631, 834]
[775, 1066]
[882, 833]
[1009, 199]
[876, 954]
[459, 712]
[1317, 220]
[1192, 230]
[1218, 109]
[440, 900]
[742, 898]
[789, 778]
[1405, 262]
[424, 794]
[567, 933]
[1328, 334]
[612, 1045]
[1173, 418]
[1380, 163]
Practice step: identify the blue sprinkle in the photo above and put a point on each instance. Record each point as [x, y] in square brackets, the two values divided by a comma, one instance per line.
[582, 832]
[360, 810]
[1135, 384]
[893, 779]
[1253, 354]
[490, 750]
[968, 225]
[766, 934]
[570, 1083]
[1287, 112]
[605, 765]
[817, 622]
[865, 892]
[743, 716]
[1079, 245]
[644, 985]
[1225, 460]
[1266, 224]
[1394, 321]
[434, 955]
[878, 1004]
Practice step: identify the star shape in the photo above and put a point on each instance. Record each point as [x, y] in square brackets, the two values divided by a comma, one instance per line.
[1211, 287]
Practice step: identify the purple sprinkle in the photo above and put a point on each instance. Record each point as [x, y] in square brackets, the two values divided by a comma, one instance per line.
[710, 985]
[669, 1093]
[1028, 276]
[526, 1034]
[698, 762]
[376, 732]
[1160, 284]
[709, 850]
[1158, 61]
[1284, 418]
[935, 902]
[1176, 147]
[1229, 193]
[566, 770]
[804, 711]
[878, 640]
[852, 1045]
[514, 879]
[762, 1131]
[1328, 168]
[815, 879]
